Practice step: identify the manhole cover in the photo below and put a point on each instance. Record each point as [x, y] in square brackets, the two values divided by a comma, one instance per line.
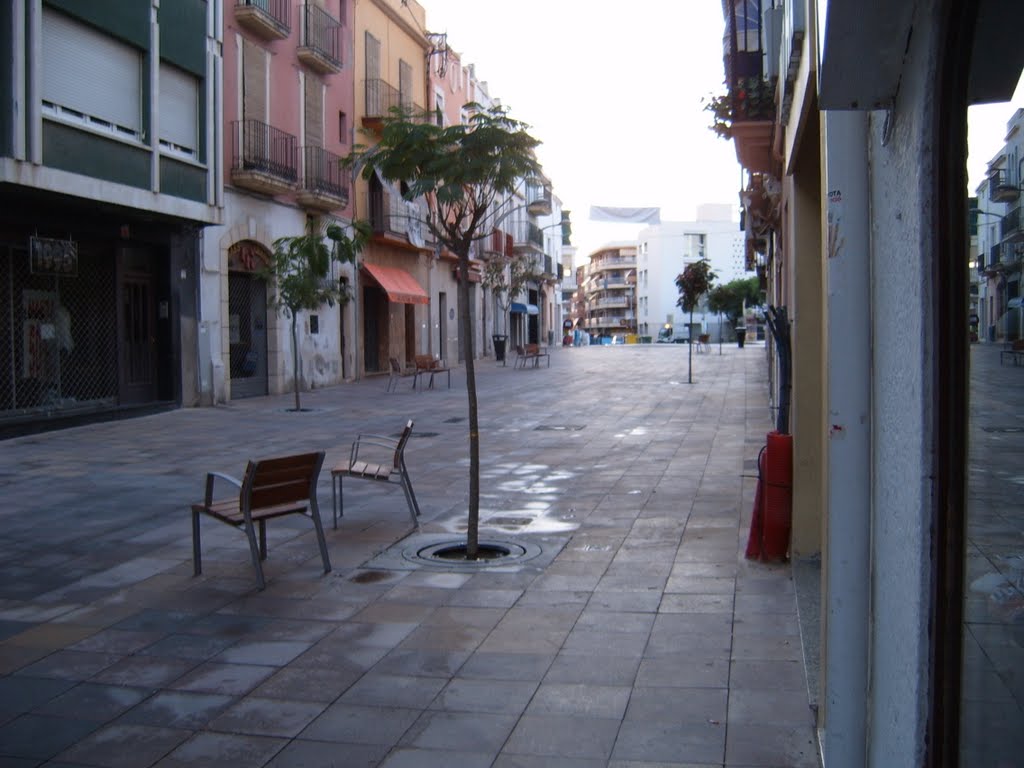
[558, 428]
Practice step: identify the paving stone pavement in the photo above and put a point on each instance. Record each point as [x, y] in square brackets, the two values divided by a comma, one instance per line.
[640, 636]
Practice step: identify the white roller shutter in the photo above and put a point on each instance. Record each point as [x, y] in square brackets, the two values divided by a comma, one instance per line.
[179, 108]
[90, 73]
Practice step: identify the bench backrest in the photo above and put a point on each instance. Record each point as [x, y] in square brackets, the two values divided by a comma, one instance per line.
[1018, 345]
[283, 480]
[402, 440]
[424, 362]
[396, 367]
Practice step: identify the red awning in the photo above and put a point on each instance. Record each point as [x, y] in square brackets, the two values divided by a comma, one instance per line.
[400, 286]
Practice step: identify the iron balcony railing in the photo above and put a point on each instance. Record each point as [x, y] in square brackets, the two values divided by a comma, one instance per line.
[1001, 187]
[498, 242]
[1010, 225]
[547, 266]
[381, 98]
[273, 12]
[256, 146]
[323, 174]
[322, 33]
[529, 234]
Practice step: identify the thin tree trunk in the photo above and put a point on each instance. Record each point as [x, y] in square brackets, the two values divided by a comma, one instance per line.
[295, 359]
[689, 334]
[465, 329]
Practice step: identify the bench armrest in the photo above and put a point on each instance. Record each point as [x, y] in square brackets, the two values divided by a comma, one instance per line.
[378, 441]
[211, 477]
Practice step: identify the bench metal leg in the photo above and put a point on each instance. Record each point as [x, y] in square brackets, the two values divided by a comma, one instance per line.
[410, 497]
[314, 512]
[255, 553]
[337, 501]
[263, 539]
[197, 557]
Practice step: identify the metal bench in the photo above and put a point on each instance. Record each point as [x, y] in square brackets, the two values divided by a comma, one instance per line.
[270, 488]
[394, 472]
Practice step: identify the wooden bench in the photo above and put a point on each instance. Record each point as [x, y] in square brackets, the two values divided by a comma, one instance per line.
[270, 488]
[393, 471]
[427, 365]
[1015, 353]
[534, 352]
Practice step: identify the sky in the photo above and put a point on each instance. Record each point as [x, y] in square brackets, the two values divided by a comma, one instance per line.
[614, 93]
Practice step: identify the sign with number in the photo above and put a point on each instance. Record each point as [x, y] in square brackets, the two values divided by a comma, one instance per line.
[53, 257]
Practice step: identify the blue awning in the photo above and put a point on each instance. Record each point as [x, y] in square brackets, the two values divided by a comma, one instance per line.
[525, 309]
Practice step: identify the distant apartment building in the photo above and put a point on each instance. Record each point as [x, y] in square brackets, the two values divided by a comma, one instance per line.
[663, 252]
[609, 289]
[109, 170]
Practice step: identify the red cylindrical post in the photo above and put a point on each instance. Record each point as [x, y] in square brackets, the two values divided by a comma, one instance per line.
[778, 497]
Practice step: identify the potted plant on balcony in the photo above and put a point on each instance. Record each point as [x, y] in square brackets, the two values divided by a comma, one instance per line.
[752, 99]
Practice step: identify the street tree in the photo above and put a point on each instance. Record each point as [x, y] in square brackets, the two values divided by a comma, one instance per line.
[731, 298]
[694, 281]
[300, 272]
[505, 276]
[462, 173]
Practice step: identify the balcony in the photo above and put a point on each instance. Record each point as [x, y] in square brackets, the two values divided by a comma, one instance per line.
[320, 49]
[264, 159]
[381, 99]
[538, 198]
[325, 184]
[1000, 188]
[267, 19]
[528, 237]
[1010, 227]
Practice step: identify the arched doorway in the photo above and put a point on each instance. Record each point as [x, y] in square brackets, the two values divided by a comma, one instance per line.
[247, 319]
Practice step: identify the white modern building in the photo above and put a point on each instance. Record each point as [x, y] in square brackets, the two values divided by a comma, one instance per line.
[664, 250]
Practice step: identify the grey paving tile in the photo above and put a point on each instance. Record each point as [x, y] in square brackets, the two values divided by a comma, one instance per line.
[537, 761]
[41, 737]
[185, 646]
[385, 690]
[92, 701]
[309, 683]
[768, 745]
[177, 709]
[408, 757]
[582, 699]
[681, 671]
[771, 675]
[265, 652]
[71, 665]
[124, 746]
[670, 742]
[563, 737]
[501, 697]
[144, 671]
[482, 732]
[223, 750]
[22, 693]
[767, 707]
[322, 754]
[213, 677]
[678, 705]
[267, 717]
[593, 669]
[356, 724]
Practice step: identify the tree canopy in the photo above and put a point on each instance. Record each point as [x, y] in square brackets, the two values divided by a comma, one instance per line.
[730, 298]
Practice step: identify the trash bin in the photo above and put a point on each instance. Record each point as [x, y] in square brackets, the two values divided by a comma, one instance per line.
[741, 336]
[499, 347]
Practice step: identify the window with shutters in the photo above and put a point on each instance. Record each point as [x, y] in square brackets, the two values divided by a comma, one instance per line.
[90, 79]
[179, 112]
[314, 112]
[405, 85]
[374, 91]
[254, 82]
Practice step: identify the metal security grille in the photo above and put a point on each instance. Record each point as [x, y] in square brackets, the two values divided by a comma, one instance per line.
[58, 336]
[247, 316]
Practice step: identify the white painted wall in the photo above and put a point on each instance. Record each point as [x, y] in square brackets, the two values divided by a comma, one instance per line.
[665, 249]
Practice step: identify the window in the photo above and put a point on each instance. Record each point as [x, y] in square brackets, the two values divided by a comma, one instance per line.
[314, 112]
[90, 78]
[179, 111]
[439, 108]
[342, 128]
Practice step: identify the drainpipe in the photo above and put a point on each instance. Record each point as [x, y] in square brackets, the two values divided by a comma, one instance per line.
[847, 562]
